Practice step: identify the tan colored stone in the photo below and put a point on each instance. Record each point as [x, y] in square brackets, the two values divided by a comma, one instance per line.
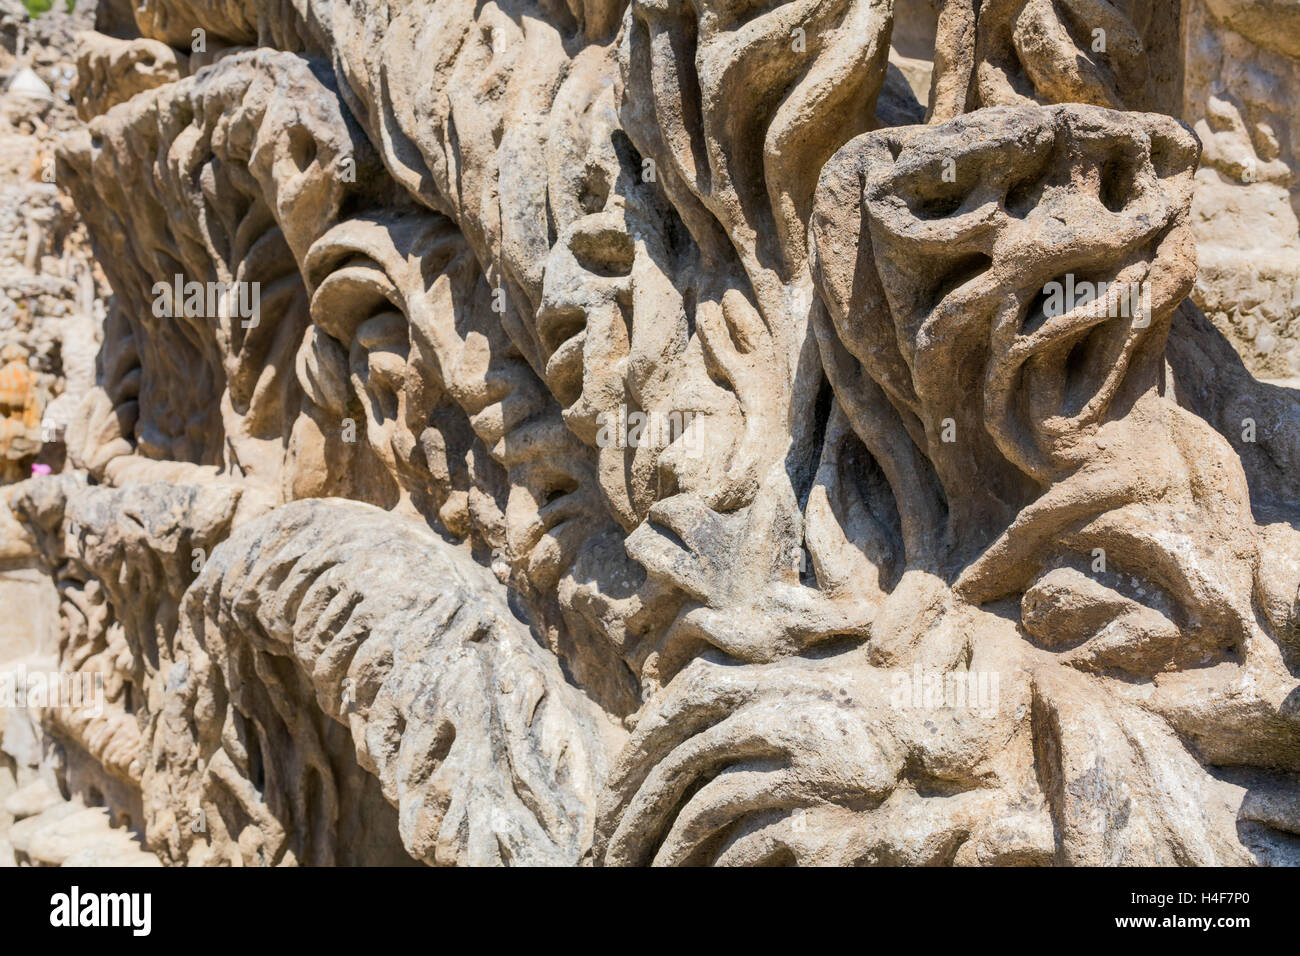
[662, 441]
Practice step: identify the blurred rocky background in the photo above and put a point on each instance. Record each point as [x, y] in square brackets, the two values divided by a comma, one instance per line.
[52, 304]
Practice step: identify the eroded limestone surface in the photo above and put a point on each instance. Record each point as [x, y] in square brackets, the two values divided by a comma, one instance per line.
[679, 433]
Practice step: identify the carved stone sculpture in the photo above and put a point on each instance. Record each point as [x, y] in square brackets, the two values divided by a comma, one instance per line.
[646, 433]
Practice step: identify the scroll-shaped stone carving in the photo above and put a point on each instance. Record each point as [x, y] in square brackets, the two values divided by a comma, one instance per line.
[211, 168]
[743, 112]
[1124, 473]
[294, 25]
[406, 301]
[964, 265]
[111, 71]
[1121, 55]
[925, 284]
[474, 735]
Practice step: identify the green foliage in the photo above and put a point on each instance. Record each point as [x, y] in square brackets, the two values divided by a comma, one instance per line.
[36, 7]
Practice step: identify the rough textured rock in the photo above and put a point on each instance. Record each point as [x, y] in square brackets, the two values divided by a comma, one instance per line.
[644, 433]
[1243, 68]
[476, 738]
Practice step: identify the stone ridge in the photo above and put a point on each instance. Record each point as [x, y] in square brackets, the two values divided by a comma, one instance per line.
[640, 432]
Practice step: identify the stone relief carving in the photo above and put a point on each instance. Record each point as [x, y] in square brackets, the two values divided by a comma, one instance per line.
[648, 433]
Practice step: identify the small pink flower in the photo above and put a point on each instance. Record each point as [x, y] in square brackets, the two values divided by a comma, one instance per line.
[39, 469]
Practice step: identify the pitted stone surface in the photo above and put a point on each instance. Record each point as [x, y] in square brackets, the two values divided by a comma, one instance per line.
[650, 432]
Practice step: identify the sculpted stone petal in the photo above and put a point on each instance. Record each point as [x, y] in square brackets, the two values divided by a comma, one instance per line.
[654, 433]
[488, 755]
